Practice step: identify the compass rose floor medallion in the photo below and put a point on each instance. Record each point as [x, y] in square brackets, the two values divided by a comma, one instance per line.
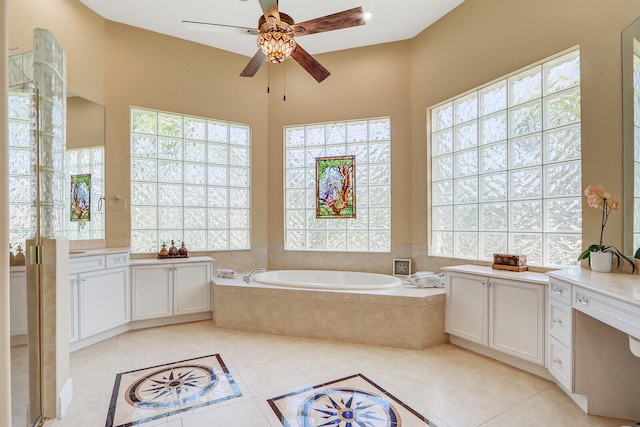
[161, 391]
[354, 401]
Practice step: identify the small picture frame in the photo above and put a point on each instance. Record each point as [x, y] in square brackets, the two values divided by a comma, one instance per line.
[401, 267]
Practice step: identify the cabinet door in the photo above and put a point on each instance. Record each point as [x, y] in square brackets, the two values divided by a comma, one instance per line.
[73, 308]
[18, 298]
[466, 307]
[103, 300]
[151, 291]
[192, 285]
[516, 319]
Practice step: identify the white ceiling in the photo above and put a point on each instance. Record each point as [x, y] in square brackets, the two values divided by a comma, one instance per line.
[391, 20]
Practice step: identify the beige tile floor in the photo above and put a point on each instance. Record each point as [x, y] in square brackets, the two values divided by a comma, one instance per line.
[449, 385]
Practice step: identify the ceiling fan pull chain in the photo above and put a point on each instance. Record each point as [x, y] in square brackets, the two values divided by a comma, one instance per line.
[268, 76]
[284, 82]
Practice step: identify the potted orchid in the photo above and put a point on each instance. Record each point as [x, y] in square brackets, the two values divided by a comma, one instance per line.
[599, 255]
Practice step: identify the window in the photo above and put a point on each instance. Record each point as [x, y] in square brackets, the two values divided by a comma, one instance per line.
[190, 182]
[505, 167]
[636, 143]
[86, 161]
[370, 142]
[22, 178]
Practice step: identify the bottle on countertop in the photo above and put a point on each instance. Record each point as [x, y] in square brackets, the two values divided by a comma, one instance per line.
[173, 251]
[19, 256]
[12, 259]
[163, 253]
[183, 251]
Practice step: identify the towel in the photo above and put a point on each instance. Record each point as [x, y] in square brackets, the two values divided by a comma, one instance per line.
[426, 279]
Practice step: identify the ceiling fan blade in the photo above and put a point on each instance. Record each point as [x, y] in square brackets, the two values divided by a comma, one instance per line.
[309, 63]
[270, 9]
[218, 28]
[254, 65]
[336, 21]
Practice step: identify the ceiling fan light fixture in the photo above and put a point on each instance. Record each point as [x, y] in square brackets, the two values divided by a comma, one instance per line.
[276, 45]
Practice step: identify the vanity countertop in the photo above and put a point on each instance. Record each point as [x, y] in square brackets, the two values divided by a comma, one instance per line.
[77, 253]
[526, 276]
[621, 286]
[156, 261]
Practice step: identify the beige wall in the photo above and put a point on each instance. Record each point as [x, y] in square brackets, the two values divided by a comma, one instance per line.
[79, 31]
[85, 123]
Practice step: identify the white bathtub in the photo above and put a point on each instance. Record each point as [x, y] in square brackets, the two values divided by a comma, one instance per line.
[327, 279]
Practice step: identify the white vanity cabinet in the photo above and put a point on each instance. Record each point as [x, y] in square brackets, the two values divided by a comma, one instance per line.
[163, 288]
[99, 292]
[560, 321]
[503, 311]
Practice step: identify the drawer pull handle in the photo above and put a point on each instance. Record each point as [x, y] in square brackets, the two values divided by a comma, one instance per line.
[484, 283]
[583, 300]
[557, 322]
[557, 290]
[557, 362]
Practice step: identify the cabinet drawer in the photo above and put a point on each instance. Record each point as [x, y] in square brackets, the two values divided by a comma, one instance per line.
[117, 260]
[618, 314]
[560, 291]
[561, 363]
[86, 263]
[560, 323]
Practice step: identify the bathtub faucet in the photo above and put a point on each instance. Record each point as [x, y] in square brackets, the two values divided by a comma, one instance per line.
[247, 276]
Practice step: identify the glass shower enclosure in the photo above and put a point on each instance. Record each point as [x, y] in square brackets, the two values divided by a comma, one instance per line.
[37, 127]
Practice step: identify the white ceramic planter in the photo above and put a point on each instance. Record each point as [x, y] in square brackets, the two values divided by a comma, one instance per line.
[601, 261]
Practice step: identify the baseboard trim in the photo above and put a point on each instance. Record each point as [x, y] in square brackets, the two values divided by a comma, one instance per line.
[530, 367]
[65, 397]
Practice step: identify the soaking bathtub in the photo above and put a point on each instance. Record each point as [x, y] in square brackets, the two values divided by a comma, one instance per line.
[353, 307]
[327, 279]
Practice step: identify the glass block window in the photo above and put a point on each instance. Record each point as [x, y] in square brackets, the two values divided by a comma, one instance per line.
[22, 157]
[505, 167]
[370, 142]
[86, 161]
[636, 148]
[190, 182]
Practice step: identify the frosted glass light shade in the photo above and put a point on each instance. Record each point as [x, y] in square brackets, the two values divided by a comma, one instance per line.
[276, 45]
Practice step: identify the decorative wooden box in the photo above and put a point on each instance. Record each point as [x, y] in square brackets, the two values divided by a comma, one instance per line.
[511, 262]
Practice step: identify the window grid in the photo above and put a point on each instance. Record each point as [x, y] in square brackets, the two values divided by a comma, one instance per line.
[505, 167]
[190, 182]
[22, 216]
[370, 142]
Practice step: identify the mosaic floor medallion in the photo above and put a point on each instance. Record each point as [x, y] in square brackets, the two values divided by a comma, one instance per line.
[160, 391]
[354, 401]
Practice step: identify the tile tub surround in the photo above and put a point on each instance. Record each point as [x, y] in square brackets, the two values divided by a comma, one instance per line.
[403, 317]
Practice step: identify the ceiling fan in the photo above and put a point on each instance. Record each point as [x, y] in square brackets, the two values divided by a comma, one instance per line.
[276, 32]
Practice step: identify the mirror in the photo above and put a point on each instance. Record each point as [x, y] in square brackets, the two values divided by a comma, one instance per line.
[85, 156]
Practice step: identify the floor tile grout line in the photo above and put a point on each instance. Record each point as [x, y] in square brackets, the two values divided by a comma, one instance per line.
[539, 392]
